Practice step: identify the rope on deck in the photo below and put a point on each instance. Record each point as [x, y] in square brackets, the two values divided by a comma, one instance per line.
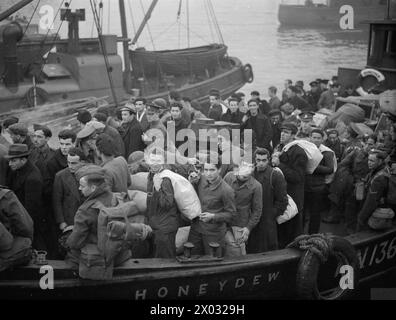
[319, 244]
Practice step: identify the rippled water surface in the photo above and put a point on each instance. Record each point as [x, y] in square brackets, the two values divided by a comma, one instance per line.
[250, 29]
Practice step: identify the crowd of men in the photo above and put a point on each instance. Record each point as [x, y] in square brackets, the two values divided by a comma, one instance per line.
[240, 201]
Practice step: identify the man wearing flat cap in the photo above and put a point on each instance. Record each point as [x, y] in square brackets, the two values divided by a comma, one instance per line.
[130, 130]
[93, 186]
[25, 180]
[19, 134]
[275, 116]
[292, 160]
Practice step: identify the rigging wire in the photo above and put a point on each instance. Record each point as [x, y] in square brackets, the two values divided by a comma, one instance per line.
[101, 13]
[108, 17]
[31, 17]
[188, 23]
[93, 24]
[216, 23]
[148, 26]
[133, 20]
[209, 22]
[99, 29]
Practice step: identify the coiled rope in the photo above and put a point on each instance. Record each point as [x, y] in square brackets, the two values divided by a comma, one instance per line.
[319, 244]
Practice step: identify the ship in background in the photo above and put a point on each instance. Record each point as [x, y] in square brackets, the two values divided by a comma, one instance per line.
[38, 69]
[326, 14]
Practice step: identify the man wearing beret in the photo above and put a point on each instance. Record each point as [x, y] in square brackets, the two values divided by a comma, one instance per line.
[292, 161]
[19, 134]
[94, 188]
[83, 117]
[131, 131]
[25, 180]
[275, 116]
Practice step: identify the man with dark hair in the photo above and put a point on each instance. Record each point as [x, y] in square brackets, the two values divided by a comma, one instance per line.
[316, 184]
[259, 124]
[83, 117]
[215, 109]
[112, 132]
[263, 104]
[25, 180]
[233, 114]
[274, 101]
[58, 161]
[218, 208]
[376, 187]
[131, 131]
[334, 143]
[275, 116]
[292, 160]
[264, 236]
[41, 151]
[66, 197]
[116, 168]
[154, 110]
[19, 134]
[141, 116]
[177, 120]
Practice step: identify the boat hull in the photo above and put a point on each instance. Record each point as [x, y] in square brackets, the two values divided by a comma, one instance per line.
[270, 275]
[326, 17]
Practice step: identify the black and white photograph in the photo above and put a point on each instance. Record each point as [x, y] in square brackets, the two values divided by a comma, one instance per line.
[197, 155]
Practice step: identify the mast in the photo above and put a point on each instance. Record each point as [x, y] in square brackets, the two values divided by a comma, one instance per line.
[145, 20]
[127, 63]
[13, 9]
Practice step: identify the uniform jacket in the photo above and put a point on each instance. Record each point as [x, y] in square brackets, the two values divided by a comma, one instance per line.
[14, 216]
[55, 164]
[85, 230]
[66, 197]
[264, 236]
[327, 100]
[376, 189]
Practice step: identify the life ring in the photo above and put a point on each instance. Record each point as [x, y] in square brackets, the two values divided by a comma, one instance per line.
[340, 253]
[248, 73]
[41, 96]
[369, 78]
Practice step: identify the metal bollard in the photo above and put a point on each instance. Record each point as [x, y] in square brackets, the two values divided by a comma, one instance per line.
[214, 249]
[188, 246]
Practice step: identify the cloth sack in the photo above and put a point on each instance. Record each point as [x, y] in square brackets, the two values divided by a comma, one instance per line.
[139, 181]
[381, 219]
[290, 212]
[185, 196]
[311, 150]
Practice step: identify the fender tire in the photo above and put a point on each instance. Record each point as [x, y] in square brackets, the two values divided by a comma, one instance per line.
[310, 264]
